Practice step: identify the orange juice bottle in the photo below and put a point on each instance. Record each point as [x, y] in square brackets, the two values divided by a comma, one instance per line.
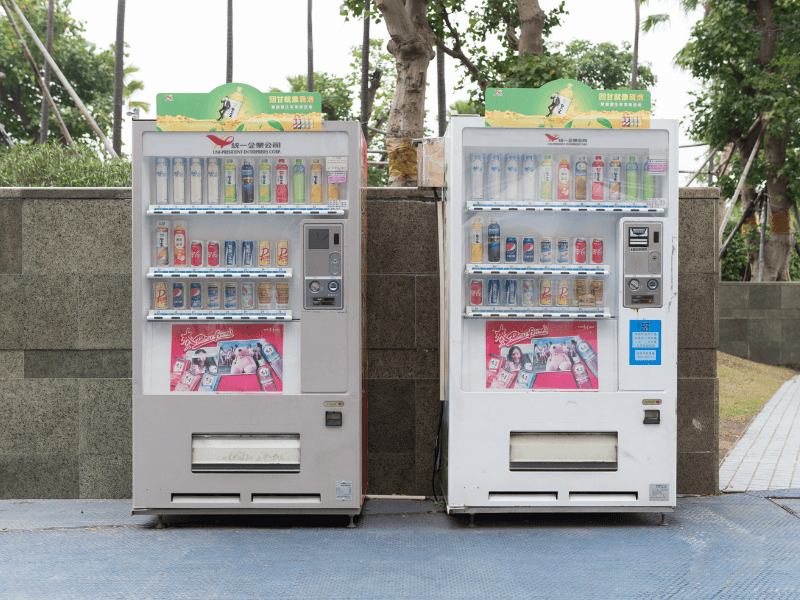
[316, 181]
[563, 178]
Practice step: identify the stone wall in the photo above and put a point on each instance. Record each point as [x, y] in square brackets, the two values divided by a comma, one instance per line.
[760, 321]
[65, 339]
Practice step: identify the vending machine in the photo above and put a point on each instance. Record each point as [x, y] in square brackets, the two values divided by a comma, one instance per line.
[249, 232]
[560, 278]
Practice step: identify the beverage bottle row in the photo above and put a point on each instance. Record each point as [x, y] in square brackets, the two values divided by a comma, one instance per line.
[578, 250]
[530, 292]
[518, 177]
[206, 181]
[171, 250]
[214, 295]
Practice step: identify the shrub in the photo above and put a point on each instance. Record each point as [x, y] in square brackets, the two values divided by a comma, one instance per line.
[53, 165]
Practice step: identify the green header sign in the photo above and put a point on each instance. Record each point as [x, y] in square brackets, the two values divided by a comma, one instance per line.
[239, 107]
[567, 103]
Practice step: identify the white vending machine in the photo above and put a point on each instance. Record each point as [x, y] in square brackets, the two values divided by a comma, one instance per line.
[561, 257]
[248, 287]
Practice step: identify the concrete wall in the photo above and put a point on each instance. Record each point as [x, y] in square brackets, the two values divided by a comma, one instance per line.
[760, 321]
[65, 342]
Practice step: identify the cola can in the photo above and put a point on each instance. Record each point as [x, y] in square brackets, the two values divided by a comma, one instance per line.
[511, 249]
[178, 297]
[545, 250]
[213, 253]
[475, 292]
[493, 293]
[545, 292]
[196, 253]
[161, 295]
[580, 251]
[563, 293]
[248, 253]
[562, 245]
[230, 295]
[528, 292]
[283, 253]
[510, 292]
[195, 295]
[212, 295]
[264, 295]
[264, 259]
[229, 259]
[528, 253]
[248, 298]
[597, 251]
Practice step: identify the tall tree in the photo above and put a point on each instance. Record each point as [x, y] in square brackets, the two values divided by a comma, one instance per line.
[441, 93]
[229, 55]
[363, 116]
[635, 68]
[310, 71]
[119, 74]
[48, 44]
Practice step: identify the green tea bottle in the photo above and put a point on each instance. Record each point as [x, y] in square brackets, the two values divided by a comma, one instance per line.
[632, 180]
[299, 182]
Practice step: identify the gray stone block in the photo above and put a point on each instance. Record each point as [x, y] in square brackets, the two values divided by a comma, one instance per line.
[12, 364]
[105, 415]
[69, 193]
[697, 311]
[697, 414]
[764, 295]
[698, 473]
[767, 353]
[78, 364]
[403, 364]
[402, 237]
[394, 193]
[38, 475]
[391, 473]
[733, 295]
[697, 235]
[689, 193]
[740, 349]
[51, 312]
[12, 312]
[105, 476]
[390, 311]
[427, 299]
[428, 410]
[760, 331]
[11, 236]
[109, 296]
[733, 313]
[790, 295]
[697, 362]
[76, 236]
[391, 415]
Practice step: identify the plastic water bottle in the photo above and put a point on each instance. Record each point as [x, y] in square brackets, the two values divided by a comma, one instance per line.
[528, 177]
[495, 171]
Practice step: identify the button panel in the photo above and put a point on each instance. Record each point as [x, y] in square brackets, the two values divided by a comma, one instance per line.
[322, 266]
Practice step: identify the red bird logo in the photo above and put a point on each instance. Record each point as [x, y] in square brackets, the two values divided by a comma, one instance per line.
[550, 137]
[220, 143]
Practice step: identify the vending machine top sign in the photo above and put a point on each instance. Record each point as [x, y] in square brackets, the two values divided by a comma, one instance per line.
[239, 107]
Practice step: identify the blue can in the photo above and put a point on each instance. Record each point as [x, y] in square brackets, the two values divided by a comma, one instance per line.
[212, 295]
[510, 293]
[528, 250]
[230, 295]
[178, 297]
[545, 250]
[195, 295]
[493, 293]
[511, 249]
[229, 259]
[248, 253]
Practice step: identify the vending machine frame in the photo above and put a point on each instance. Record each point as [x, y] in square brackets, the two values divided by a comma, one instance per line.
[320, 426]
[611, 449]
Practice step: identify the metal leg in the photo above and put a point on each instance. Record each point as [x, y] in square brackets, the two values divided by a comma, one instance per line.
[663, 520]
[471, 520]
[352, 524]
[160, 522]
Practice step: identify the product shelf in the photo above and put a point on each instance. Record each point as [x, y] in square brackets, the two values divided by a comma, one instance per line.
[210, 315]
[531, 269]
[241, 209]
[593, 207]
[209, 273]
[536, 312]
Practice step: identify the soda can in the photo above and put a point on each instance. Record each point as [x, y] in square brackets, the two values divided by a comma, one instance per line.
[195, 295]
[545, 292]
[178, 297]
[545, 250]
[196, 253]
[212, 295]
[475, 292]
[230, 254]
[580, 287]
[230, 295]
[264, 259]
[562, 245]
[580, 251]
[264, 295]
[528, 253]
[493, 293]
[283, 253]
[563, 293]
[248, 253]
[161, 295]
[511, 249]
[213, 253]
[282, 294]
[528, 292]
[597, 251]
[248, 299]
[510, 292]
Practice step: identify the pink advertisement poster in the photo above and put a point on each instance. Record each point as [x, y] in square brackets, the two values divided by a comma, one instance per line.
[541, 355]
[226, 358]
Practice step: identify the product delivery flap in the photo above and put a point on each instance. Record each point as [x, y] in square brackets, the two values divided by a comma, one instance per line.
[239, 107]
[565, 104]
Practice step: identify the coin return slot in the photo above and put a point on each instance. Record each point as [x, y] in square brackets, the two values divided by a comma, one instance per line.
[652, 417]
[246, 453]
[563, 451]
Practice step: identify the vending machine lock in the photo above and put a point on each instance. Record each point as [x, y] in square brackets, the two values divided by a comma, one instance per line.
[652, 417]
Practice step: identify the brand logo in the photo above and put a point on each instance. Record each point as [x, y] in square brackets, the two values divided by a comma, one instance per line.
[221, 142]
[552, 138]
[191, 341]
[506, 339]
[168, 97]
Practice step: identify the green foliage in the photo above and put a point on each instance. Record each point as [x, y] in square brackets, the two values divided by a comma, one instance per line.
[465, 107]
[337, 98]
[735, 261]
[54, 165]
[89, 71]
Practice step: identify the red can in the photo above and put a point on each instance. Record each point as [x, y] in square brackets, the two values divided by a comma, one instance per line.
[475, 292]
[580, 251]
[196, 256]
[213, 254]
[597, 251]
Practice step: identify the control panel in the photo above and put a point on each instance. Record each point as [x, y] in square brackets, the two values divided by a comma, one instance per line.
[322, 266]
[641, 264]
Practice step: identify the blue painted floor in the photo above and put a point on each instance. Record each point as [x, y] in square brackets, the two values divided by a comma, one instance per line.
[733, 546]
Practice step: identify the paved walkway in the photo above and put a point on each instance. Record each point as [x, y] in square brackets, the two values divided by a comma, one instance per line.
[767, 456]
[732, 546]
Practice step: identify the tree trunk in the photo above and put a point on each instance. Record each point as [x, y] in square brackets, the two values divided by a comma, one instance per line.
[635, 66]
[364, 113]
[44, 126]
[781, 242]
[531, 19]
[441, 91]
[310, 76]
[229, 61]
[119, 73]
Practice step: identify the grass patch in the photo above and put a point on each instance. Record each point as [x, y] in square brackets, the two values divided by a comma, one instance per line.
[745, 386]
